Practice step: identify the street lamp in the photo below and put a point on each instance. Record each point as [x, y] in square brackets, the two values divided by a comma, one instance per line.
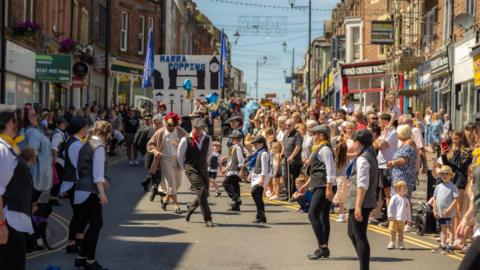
[284, 45]
[292, 5]
[171, 101]
[256, 81]
[181, 105]
[236, 36]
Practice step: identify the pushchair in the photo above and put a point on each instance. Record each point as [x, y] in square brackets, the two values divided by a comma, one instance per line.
[425, 220]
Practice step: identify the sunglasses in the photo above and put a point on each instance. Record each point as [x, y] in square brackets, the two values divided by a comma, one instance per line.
[444, 173]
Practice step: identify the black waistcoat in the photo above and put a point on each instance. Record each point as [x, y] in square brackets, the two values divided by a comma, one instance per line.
[197, 158]
[70, 172]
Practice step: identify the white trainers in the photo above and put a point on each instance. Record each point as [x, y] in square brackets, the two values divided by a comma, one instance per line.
[341, 218]
[274, 197]
[131, 163]
[391, 245]
[408, 228]
[401, 246]
[135, 162]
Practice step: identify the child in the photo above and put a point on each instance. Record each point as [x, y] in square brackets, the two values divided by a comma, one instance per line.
[277, 169]
[213, 165]
[398, 214]
[29, 155]
[444, 207]
[234, 170]
[303, 199]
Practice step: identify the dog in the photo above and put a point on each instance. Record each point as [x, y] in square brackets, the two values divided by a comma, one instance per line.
[38, 240]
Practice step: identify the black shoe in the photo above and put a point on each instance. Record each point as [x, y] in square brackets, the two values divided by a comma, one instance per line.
[80, 262]
[189, 213]
[145, 185]
[94, 266]
[54, 202]
[163, 204]
[73, 249]
[162, 194]
[260, 219]
[209, 224]
[218, 194]
[234, 207]
[178, 211]
[153, 193]
[319, 253]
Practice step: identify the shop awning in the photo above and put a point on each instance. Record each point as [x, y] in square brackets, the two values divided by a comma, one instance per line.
[410, 93]
[126, 68]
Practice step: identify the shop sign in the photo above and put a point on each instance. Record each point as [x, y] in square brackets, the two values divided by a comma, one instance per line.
[54, 68]
[363, 70]
[382, 32]
[476, 69]
[439, 64]
[20, 60]
[78, 82]
[330, 80]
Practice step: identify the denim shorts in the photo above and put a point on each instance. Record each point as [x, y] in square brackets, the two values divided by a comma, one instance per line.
[445, 221]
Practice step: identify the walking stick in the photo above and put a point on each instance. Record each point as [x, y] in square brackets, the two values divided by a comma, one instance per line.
[288, 180]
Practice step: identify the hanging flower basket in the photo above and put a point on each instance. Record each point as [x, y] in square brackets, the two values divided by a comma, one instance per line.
[27, 28]
[67, 46]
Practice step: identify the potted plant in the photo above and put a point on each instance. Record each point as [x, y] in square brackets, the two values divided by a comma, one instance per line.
[67, 45]
[26, 28]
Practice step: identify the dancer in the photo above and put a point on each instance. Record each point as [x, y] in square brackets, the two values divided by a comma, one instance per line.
[231, 183]
[213, 166]
[193, 154]
[321, 169]
[361, 198]
[260, 175]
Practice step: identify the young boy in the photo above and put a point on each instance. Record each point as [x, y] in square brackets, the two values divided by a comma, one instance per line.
[398, 214]
[444, 207]
[234, 168]
[303, 199]
[213, 165]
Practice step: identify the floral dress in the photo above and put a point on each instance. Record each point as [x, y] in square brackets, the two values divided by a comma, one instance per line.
[407, 171]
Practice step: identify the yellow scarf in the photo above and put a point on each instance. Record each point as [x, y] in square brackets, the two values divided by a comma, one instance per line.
[82, 139]
[317, 146]
[12, 142]
[476, 156]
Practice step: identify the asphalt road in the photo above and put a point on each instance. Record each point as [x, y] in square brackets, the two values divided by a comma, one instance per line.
[137, 234]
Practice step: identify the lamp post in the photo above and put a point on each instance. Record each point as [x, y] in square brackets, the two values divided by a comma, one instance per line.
[236, 36]
[256, 81]
[284, 45]
[171, 101]
[292, 5]
[181, 105]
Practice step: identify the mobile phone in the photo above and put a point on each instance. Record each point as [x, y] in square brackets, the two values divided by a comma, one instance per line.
[444, 145]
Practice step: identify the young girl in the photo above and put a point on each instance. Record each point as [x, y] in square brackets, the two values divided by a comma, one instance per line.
[213, 166]
[341, 163]
[398, 214]
[277, 169]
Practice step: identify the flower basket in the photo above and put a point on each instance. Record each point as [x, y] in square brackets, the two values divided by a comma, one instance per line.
[27, 29]
[67, 46]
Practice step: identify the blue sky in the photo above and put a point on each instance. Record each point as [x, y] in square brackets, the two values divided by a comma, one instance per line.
[249, 48]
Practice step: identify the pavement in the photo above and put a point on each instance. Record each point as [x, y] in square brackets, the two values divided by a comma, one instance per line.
[137, 234]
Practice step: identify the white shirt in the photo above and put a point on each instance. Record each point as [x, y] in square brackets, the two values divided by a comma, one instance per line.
[58, 138]
[307, 146]
[363, 173]
[399, 208]
[170, 144]
[182, 149]
[396, 110]
[73, 151]
[98, 174]
[280, 136]
[386, 154]
[349, 108]
[265, 158]
[417, 137]
[326, 156]
[240, 158]
[8, 162]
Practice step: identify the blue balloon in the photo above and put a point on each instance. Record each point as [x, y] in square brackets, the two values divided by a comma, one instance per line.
[212, 98]
[187, 84]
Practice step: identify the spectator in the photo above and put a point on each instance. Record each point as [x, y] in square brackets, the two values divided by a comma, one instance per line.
[347, 106]
[398, 214]
[292, 145]
[131, 124]
[392, 109]
[435, 132]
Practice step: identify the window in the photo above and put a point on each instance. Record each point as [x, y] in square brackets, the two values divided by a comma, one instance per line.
[7, 13]
[75, 20]
[141, 35]
[470, 7]
[29, 13]
[356, 43]
[102, 32]
[84, 25]
[447, 27]
[124, 33]
[429, 27]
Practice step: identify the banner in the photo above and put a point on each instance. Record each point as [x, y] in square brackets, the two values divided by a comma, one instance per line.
[476, 69]
[54, 68]
[382, 32]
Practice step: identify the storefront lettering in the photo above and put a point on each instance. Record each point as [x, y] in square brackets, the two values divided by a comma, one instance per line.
[439, 64]
[366, 70]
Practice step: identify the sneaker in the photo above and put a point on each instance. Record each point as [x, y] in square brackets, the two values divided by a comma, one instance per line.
[438, 239]
[449, 249]
[408, 228]
[341, 218]
[131, 163]
[136, 162]
[384, 224]
[373, 221]
[401, 246]
[268, 193]
[391, 245]
[218, 194]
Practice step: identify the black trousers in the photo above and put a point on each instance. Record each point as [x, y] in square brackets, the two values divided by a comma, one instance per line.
[77, 222]
[257, 195]
[56, 188]
[12, 254]
[92, 211]
[231, 184]
[292, 173]
[200, 183]
[357, 232]
[319, 215]
[472, 258]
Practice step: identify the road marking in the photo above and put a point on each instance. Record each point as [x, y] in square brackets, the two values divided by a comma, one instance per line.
[373, 228]
[60, 245]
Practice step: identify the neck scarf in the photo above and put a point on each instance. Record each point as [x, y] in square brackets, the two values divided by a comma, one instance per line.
[350, 166]
[315, 147]
[196, 138]
[253, 160]
[13, 142]
[82, 139]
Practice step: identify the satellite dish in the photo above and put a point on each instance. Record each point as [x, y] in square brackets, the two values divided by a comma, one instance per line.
[464, 20]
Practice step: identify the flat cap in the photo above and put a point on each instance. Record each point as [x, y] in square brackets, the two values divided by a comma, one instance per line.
[236, 134]
[235, 118]
[198, 123]
[363, 136]
[322, 129]
[259, 139]
[60, 120]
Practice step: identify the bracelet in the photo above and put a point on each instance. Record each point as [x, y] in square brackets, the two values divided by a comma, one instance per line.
[3, 223]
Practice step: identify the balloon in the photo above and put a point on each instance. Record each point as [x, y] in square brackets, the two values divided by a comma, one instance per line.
[212, 98]
[251, 107]
[187, 84]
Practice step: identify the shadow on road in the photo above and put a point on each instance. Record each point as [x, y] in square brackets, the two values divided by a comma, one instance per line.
[372, 259]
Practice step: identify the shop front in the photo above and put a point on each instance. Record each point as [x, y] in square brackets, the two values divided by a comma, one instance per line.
[464, 96]
[364, 83]
[424, 83]
[20, 84]
[441, 82]
[475, 54]
[128, 83]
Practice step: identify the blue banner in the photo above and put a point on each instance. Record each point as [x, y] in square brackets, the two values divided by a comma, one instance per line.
[149, 62]
[223, 59]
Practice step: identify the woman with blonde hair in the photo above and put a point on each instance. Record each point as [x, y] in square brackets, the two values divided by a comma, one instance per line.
[390, 107]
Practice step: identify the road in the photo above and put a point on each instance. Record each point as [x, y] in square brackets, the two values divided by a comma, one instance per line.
[137, 234]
